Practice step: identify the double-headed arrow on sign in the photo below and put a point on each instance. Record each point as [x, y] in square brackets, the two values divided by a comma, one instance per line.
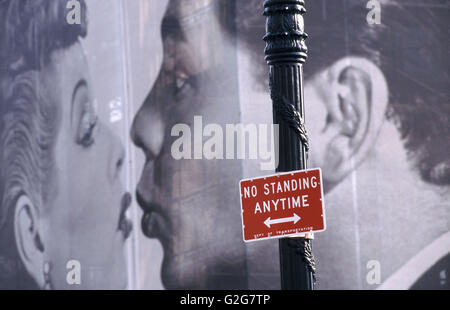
[294, 219]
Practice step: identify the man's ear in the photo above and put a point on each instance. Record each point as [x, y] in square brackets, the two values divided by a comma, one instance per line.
[357, 102]
[28, 238]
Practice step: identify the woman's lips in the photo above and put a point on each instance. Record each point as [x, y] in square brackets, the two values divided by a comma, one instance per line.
[125, 225]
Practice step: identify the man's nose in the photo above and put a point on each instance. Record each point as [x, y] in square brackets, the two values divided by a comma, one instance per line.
[147, 131]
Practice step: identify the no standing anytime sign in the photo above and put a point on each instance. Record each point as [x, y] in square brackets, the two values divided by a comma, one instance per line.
[282, 205]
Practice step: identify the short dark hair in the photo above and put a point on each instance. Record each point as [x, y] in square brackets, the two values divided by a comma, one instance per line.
[405, 46]
[30, 31]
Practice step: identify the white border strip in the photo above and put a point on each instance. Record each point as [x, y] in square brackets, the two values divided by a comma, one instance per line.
[408, 274]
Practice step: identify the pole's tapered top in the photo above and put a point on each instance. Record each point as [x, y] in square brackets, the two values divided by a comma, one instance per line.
[285, 36]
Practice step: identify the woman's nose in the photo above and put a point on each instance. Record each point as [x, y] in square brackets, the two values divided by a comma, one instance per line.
[117, 153]
[147, 131]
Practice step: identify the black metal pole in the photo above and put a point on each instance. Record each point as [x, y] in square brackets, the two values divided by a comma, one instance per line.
[286, 53]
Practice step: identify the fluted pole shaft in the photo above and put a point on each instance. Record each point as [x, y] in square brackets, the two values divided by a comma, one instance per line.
[286, 53]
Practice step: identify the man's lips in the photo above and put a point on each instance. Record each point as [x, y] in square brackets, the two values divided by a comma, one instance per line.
[154, 223]
[146, 206]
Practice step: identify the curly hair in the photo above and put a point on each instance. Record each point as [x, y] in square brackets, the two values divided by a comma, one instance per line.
[30, 31]
[404, 46]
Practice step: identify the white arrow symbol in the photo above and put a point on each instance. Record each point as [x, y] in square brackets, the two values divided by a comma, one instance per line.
[294, 219]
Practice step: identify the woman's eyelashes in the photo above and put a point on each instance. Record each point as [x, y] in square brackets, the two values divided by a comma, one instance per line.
[87, 125]
[84, 115]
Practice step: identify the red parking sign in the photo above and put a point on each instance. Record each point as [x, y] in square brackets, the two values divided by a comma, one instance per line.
[282, 205]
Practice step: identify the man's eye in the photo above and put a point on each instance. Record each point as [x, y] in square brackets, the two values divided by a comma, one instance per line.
[181, 81]
[86, 130]
[184, 87]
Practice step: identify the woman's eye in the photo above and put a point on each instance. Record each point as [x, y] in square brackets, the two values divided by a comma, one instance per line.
[87, 125]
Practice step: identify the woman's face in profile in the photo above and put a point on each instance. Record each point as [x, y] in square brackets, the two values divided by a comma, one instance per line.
[86, 219]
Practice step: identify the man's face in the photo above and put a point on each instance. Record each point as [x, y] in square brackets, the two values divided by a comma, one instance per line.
[195, 218]
[188, 204]
[193, 214]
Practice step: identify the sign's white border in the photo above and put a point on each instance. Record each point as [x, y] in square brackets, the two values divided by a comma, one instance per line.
[291, 234]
